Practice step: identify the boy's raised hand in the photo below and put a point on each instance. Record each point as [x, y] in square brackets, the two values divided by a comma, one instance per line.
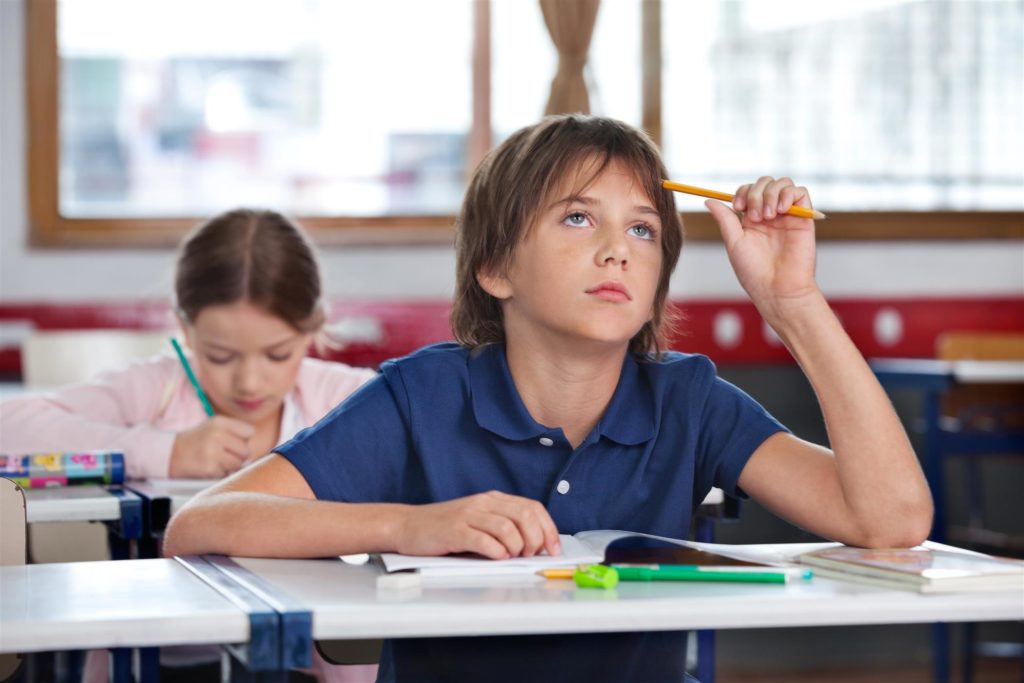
[493, 524]
[771, 252]
[214, 449]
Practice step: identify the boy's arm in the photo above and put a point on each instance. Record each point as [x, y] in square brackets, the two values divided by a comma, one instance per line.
[269, 510]
[869, 490]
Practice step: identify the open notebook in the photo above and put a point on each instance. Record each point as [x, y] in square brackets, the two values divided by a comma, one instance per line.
[585, 547]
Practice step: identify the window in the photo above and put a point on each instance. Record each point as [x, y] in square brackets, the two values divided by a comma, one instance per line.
[364, 119]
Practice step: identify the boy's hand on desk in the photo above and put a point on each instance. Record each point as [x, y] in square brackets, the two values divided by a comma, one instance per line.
[771, 251]
[214, 449]
[493, 524]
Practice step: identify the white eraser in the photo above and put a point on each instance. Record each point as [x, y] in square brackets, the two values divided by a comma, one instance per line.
[398, 581]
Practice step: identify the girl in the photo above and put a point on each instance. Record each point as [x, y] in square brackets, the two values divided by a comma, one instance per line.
[560, 412]
[247, 295]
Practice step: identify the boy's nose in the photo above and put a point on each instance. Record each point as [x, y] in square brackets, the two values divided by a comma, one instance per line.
[614, 250]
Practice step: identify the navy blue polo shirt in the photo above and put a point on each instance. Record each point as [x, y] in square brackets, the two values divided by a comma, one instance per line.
[446, 422]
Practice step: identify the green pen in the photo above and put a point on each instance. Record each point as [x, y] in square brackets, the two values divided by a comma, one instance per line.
[192, 377]
[667, 572]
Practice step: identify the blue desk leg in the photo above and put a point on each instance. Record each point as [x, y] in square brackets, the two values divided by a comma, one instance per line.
[937, 480]
[940, 652]
[967, 674]
[149, 665]
[705, 533]
[121, 665]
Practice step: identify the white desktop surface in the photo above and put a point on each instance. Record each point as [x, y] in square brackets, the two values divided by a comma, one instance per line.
[347, 605]
[140, 603]
[71, 504]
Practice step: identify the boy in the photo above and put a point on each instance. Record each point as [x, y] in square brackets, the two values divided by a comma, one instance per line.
[558, 411]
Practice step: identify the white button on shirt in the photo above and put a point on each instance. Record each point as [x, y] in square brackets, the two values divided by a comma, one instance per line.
[563, 487]
[545, 441]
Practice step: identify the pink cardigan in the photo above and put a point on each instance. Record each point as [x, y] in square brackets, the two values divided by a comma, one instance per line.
[140, 409]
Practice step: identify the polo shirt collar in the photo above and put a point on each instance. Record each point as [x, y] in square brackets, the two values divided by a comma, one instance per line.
[629, 419]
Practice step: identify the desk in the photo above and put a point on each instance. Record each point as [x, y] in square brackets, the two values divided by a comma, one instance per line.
[137, 511]
[119, 508]
[346, 604]
[142, 604]
[216, 600]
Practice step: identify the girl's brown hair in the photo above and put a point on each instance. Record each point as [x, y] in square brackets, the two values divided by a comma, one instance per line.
[507, 192]
[250, 255]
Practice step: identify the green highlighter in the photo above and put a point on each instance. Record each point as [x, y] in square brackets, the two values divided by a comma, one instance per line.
[207, 406]
[668, 572]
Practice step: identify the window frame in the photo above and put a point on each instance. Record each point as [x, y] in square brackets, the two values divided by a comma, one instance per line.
[49, 228]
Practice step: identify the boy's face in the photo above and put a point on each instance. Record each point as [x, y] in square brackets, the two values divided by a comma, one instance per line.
[587, 270]
[246, 359]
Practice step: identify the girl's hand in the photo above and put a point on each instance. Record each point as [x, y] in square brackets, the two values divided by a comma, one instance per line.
[214, 449]
[771, 252]
[492, 524]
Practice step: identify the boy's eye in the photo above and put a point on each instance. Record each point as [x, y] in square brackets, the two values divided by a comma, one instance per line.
[218, 360]
[577, 219]
[279, 357]
[643, 231]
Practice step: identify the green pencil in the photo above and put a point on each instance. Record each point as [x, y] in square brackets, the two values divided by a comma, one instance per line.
[192, 377]
[690, 573]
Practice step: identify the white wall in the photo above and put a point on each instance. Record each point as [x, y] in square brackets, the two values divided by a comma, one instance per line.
[37, 275]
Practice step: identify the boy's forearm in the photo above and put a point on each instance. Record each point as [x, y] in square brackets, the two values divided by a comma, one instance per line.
[878, 471]
[264, 525]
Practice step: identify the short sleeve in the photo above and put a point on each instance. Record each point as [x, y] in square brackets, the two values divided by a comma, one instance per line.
[733, 425]
[358, 452]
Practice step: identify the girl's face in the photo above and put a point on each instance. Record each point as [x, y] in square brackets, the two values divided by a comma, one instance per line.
[246, 359]
[587, 270]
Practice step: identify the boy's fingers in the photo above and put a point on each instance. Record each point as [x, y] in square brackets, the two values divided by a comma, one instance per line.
[503, 530]
[772, 193]
[552, 543]
[532, 533]
[755, 199]
[482, 543]
[786, 199]
[726, 219]
[739, 201]
[801, 197]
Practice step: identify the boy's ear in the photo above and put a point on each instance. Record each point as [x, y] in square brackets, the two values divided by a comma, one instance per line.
[494, 284]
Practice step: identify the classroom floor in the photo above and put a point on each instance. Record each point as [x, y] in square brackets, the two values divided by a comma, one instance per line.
[991, 671]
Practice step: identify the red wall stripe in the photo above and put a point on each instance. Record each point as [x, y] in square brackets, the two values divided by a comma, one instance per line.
[730, 332]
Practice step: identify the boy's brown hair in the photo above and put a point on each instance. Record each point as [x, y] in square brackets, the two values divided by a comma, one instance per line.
[507, 192]
[250, 255]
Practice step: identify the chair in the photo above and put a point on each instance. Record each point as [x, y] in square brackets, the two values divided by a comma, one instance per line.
[13, 550]
[58, 357]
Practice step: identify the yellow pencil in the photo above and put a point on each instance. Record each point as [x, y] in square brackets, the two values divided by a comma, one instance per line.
[557, 573]
[799, 211]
